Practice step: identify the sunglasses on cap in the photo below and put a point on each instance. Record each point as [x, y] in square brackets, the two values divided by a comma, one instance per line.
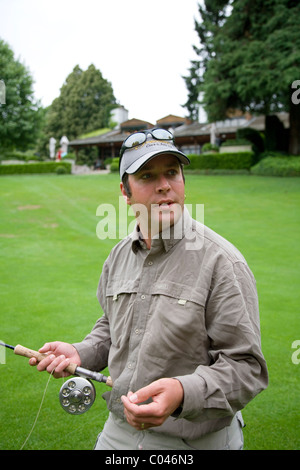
[139, 138]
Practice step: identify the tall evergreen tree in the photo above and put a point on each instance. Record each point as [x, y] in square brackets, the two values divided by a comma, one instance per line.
[212, 15]
[84, 104]
[255, 60]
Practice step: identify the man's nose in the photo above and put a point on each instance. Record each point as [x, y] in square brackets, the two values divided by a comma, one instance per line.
[162, 184]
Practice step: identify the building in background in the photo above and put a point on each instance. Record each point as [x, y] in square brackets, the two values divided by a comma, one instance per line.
[189, 136]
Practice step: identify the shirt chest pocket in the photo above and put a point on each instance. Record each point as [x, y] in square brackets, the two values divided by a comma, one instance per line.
[120, 297]
[177, 315]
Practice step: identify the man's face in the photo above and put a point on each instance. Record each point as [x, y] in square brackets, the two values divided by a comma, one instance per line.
[157, 189]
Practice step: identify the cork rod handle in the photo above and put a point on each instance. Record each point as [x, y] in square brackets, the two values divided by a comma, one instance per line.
[25, 352]
[109, 382]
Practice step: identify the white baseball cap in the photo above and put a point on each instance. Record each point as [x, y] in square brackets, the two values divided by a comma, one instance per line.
[134, 157]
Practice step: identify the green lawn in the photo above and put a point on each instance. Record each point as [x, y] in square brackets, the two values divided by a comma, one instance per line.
[51, 260]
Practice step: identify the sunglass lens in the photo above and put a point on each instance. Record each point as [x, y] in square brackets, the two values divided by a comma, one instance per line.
[162, 134]
[135, 139]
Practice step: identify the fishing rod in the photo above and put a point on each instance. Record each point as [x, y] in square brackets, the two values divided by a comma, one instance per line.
[77, 394]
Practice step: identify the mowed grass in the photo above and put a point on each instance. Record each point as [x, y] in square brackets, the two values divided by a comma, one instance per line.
[51, 260]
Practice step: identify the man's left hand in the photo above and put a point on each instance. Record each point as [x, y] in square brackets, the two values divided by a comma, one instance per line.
[167, 396]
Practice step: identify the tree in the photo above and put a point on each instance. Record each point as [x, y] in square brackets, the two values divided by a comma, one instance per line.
[84, 104]
[20, 117]
[212, 15]
[255, 60]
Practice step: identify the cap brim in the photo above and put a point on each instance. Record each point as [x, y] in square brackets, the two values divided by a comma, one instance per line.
[144, 159]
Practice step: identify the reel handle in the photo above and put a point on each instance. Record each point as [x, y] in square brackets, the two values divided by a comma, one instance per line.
[25, 352]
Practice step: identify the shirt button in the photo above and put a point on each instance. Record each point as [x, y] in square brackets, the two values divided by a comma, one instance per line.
[150, 263]
[143, 297]
[137, 331]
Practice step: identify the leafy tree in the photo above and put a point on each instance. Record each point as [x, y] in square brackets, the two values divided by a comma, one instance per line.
[254, 59]
[20, 115]
[84, 104]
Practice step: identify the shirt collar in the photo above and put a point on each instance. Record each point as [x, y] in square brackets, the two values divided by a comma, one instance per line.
[166, 239]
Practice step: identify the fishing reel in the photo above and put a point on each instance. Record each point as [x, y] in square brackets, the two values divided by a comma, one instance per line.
[77, 395]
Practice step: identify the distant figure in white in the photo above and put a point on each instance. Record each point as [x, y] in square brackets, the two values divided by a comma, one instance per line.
[64, 142]
[52, 143]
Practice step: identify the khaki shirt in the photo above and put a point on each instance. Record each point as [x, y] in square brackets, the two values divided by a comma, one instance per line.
[186, 308]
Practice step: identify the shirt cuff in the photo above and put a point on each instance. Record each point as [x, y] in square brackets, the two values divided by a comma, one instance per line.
[84, 351]
[193, 401]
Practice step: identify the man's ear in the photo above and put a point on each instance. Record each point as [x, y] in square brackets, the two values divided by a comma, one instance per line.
[124, 194]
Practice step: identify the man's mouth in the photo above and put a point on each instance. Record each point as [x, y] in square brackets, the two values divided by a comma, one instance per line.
[164, 207]
[165, 203]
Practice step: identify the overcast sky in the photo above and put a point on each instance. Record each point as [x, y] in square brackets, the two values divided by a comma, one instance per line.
[143, 48]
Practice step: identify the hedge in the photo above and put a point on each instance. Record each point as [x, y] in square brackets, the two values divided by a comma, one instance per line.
[277, 166]
[239, 161]
[211, 161]
[34, 168]
[221, 161]
[235, 142]
[114, 166]
[24, 157]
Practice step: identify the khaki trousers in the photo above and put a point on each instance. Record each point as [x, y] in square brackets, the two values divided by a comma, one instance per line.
[119, 435]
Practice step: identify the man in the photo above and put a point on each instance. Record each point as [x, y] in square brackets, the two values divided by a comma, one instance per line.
[180, 329]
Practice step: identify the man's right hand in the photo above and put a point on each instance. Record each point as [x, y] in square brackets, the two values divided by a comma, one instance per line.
[59, 356]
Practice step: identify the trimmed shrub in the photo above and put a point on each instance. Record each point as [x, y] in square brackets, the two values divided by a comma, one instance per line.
[61, 170]
[209, 147]
[114, 166]
[221, 161]
[34, 168]
[235, 142]
[277, 166]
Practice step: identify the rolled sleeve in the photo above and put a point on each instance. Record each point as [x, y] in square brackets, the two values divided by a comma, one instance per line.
[94, 349]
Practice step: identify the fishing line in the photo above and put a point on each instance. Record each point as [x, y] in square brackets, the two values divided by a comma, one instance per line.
[76, 395]
[39, 411]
